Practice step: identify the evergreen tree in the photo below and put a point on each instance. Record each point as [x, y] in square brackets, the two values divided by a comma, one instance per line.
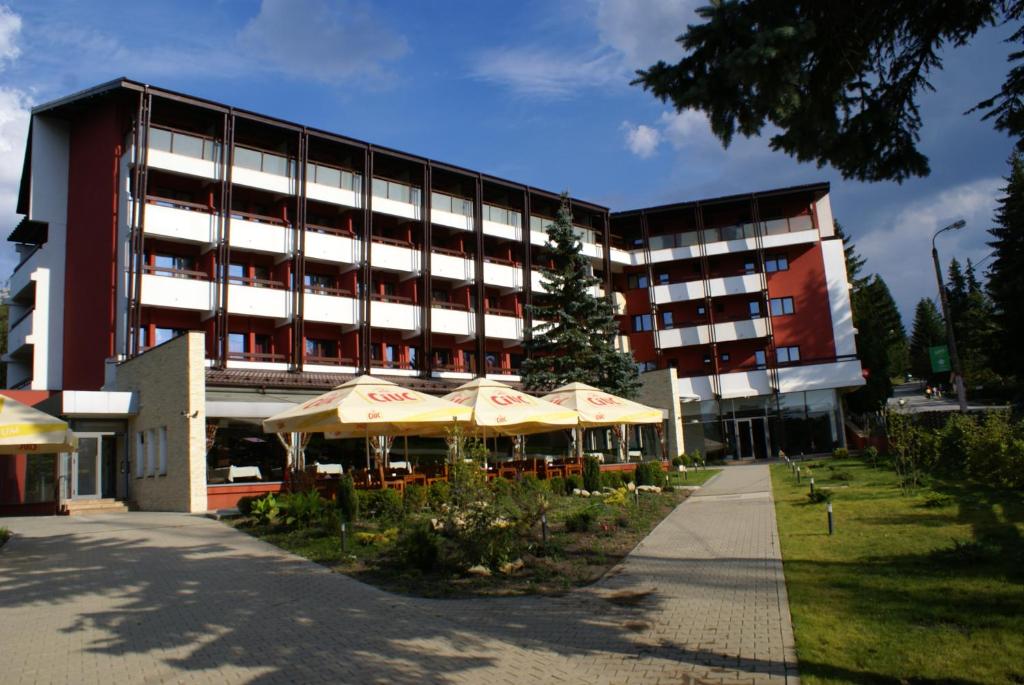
[880, 335]
[836, 83]
[972, 316]
[929, 330]
[1006, 275]
[854, 262]
[577, 340]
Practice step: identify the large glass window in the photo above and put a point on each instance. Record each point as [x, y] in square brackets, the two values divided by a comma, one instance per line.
[660, 242]
[642, 322]
[787, 355]
[781, 306]
[160, 139]
[320, 347]
[759, 359]
[173, 262]
[162, 335]
[248, 159]
[39, 478]
[637, 281]
[774, 263]
[188, 145]
[236, 343]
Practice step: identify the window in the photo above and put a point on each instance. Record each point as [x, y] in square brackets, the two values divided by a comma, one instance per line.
[759, 359]
[151, 449]
[707, 358]
[261, 344]
[140, 454]
[637, 281]
[642, 322]
[755, 309]
[787, 355]
[646, 366]
[442, 357]
[441, 295]
[162, 335]
[391, 355]
[468, 361]
[492, 360]
[663, 278]
[319, 347]
[725, 356]
[236, 343]
[780, 306]
[314, 282]
[172, 263]
[702, 310]
[749, 267]
[774, 263]
[666, 320]
[413, 353]
[259, 274]
[162, 445]
[236, 272]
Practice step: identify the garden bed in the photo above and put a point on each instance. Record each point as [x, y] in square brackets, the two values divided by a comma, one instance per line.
[586, 537]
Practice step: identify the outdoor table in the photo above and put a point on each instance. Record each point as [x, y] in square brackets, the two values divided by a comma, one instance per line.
[230, 473]
[328, 469]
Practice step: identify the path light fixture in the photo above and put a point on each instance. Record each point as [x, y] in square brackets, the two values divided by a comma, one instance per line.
[954, 357]
[831, 525]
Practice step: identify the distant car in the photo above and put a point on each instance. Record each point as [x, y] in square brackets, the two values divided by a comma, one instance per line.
[908, 377]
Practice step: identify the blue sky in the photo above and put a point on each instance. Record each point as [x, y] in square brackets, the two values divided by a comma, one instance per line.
[534, 91]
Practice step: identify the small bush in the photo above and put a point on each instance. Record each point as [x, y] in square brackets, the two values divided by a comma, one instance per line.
[302, 509]
[611, 479]
[842, 475]
[437, 495]
[415, 499]
[419, 547]
[5, 535]
[938, 501]
[381, 505]
[573, 482]
[649, 473]
[678, 461]
[245, 505]
[530, 483]
[557, 485]
[348, 500]
[820, 495]
[264, 510]
[591, 474]
[580, 521]
[871, 455]
[503, 488]
[841, 453]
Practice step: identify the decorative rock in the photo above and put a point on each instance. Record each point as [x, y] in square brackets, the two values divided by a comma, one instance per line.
[584, 493]
[479, 570]
[510, 567]
[631, 486]
[576, 491]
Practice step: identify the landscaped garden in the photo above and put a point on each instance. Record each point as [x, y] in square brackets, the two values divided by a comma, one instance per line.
[471, 536]
[923, 579]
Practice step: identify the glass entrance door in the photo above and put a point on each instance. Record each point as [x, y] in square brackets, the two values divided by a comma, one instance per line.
[744, 439]
[86, 471]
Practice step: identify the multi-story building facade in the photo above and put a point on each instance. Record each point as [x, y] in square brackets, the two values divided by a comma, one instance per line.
[305, 257]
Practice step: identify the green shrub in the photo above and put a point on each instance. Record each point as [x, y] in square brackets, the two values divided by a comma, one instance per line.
[557, 485]
[649, 473]
[938, 501]
[678, 461]
[627, 477]
[5, 535]
[530, 483]
[870, 455]
[245, 505]
[841, 453]
[580, 521]
[820, 495]
[264, 510]
[302, 509]
[591, 474]
[415, 499]
[611, 479]
[437, 495]
[573, 482]
[842, 475]
[348, 499]
[381, 505]
[419, 546]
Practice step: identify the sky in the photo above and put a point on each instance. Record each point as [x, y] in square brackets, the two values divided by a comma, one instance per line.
[536, 91]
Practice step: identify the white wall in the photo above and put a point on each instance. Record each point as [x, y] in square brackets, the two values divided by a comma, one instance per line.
[839, 296]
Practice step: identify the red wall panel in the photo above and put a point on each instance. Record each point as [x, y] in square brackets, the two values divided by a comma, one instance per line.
[810, 326]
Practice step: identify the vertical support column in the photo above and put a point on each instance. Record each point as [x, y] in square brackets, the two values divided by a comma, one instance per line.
[366, 279]
[606, 240]
[299, 256]
[524, 228]
[478, 228]
[645, 233]
[769, 352]
[223, 256]
[138, 235]
[425, 361]
[130, 332]
[705, 267]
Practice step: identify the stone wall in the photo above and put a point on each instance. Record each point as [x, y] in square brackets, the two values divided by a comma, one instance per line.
[661, 389]
[170, 382]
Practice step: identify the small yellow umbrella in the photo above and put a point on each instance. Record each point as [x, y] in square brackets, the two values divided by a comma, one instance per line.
[368, 406]
[599, 408]
[501, 410]
[24, 429]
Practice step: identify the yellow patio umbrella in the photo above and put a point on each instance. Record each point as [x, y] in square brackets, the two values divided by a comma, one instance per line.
[368, 406]
[25, 429]
[598, 408]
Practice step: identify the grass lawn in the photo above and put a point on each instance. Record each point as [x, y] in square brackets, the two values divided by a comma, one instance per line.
[569, 559]
[693, 477]
[5, 535]
[924, 588]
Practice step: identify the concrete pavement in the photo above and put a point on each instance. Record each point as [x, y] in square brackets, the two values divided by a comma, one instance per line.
[147, 597]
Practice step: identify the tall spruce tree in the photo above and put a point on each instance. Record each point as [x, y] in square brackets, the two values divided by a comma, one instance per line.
[1006, 274]
[577, 342]
[929, 330]
[880, 335]
[972, 317]
[854, 262]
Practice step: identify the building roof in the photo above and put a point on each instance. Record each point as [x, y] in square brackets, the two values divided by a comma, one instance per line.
[820, 189]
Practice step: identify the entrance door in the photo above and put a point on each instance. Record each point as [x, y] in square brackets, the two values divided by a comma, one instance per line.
[86, 469]
[759, 433]
[744, 439]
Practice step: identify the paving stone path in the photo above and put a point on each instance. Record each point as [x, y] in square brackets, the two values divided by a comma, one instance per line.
[147, 597]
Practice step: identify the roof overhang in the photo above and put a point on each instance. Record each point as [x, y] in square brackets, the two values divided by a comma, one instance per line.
[30, 231]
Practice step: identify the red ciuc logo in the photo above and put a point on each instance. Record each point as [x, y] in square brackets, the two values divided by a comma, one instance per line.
[508, 400]
[500, 419]
[390, 397]
[318, 401]
[602, 401]
[371, 415]
[559, 400]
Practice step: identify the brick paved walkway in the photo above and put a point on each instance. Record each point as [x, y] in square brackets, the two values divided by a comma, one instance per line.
[172, 598]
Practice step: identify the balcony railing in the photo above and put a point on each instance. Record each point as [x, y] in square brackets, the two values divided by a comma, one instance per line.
[180, 142]
[257, 356]
[455, 367]
[327, 290]
[259, 218]
[455, 306]
[335, 177]
[503, 215]
[384, 240]
[257, 282]
[398, 299]
[390, 364]
[173, 272]
[501, 312]
[330, 360]
[330, 230]
[452, 253]
[395, 190]
[266, 161]
[183, 205]
[453, 204]
[502, 261]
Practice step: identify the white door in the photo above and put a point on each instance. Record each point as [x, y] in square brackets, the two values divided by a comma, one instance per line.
[86, 471]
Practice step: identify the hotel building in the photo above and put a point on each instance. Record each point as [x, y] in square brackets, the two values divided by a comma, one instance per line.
[188, 268]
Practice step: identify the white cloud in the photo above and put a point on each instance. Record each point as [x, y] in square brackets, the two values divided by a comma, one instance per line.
[644, 31]
[688, 128]
[10, 27]
[312, 39]
[641, 140]
[900, 246]
[534, 71]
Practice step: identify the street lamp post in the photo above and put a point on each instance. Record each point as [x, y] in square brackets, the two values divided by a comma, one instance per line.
[954, 357]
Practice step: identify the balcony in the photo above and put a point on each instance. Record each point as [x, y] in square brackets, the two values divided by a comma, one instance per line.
[503, 273]
[396, 198]
[263, 169]
[183, 153]
[452, 319]
[259, 297]
[329, 305]
[258, 233]
[396, 312]
[503, 325]
[502, 222]
[331, 245]
[743, 329]
[452, 265]
[394, 255]
[750, 383]
[334, 185]
[717, 287]
[21, 277]
[811, 374]
[180, 221]
[451, 210]
[20, 332]
[177, 289]
[266, 361]
[328, 364]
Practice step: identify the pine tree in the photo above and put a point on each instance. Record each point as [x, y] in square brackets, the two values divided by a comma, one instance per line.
[854, 262]
[576, 342]
[929, 330]
[1006, 275]
[880, 335]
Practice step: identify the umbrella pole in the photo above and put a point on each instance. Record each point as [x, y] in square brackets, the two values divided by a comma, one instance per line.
[367, 448]
[405, 437]
[579, 442]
